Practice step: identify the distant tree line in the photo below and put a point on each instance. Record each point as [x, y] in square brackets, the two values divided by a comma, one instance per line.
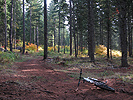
[80, 24]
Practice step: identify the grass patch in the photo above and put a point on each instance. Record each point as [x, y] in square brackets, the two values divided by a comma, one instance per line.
[7, 57]
[36, 78]
[105, 73]
[127, 77]
[74, 75]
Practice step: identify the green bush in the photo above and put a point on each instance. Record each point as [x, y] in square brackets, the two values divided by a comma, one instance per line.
[8, 57]
[40, 53]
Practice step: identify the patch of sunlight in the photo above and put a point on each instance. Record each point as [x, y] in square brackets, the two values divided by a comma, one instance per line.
[102, 50]
[32, 64]
[74, 68]
[30, 70]
[40, 48]
[19, 75]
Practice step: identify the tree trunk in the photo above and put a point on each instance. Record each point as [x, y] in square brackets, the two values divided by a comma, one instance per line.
[100, 30]
[108, 29]
[45, 30]
[123, 32]
[81, 41]
[54, 36]
[63, 38]
[77, 42]
[23, 29]
[70, 28]
[37, 38]
[89, 20]
[5, 28]
[129, 32]
[74, 30]
[90, 31]
[34, 35]
[30, 24]
[59, 32]
[11, 25]
[14, 25]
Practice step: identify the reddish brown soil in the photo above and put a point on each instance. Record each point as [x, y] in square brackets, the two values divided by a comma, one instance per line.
[36, 80]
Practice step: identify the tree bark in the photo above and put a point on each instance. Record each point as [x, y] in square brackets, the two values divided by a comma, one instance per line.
[30, 24]
[63, 38]
[77, 42]
[23, 29]
[100, 29]
[54, 36]
[90, 31]
[5, 28]
[59, 32]
[45, 29]
[108, 29]
[37, 39]
[70, 27]
[34, 35]
[81, 40]
[123, 32]
[74, 30]
[129, 31]
[14, 25]
[11, 26]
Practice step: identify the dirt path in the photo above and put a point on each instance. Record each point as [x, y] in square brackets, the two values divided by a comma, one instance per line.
[37, 80]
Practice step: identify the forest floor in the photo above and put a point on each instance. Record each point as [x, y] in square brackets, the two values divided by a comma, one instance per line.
[35, 79]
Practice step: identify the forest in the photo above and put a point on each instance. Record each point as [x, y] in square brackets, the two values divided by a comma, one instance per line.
[63, 38]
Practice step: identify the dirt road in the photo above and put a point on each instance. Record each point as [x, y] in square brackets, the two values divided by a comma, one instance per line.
[37, 80]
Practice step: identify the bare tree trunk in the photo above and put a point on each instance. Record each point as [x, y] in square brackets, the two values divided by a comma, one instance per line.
[90, 31]
[108, 29]
[74, 30]
[23, 29]
[123, 32]
[37, 39]
[100, 30]
[70, 28]
[63, 38]
[81, 40]
[77, 42]
[30, 24]
[11, 25]
[5, 28]
[59, 32]
[34, 35]
[45, 30]
[129, 32]
[89, 20]
[15, 25]
[54, 36]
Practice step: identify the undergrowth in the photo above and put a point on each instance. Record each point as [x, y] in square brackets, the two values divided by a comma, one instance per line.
[77, 63]
[8, 57]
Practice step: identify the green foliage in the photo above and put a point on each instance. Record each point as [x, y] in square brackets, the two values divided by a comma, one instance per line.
[8, 57]
[106, 73]
[19, 43]
[40, 53]
[127, 77]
